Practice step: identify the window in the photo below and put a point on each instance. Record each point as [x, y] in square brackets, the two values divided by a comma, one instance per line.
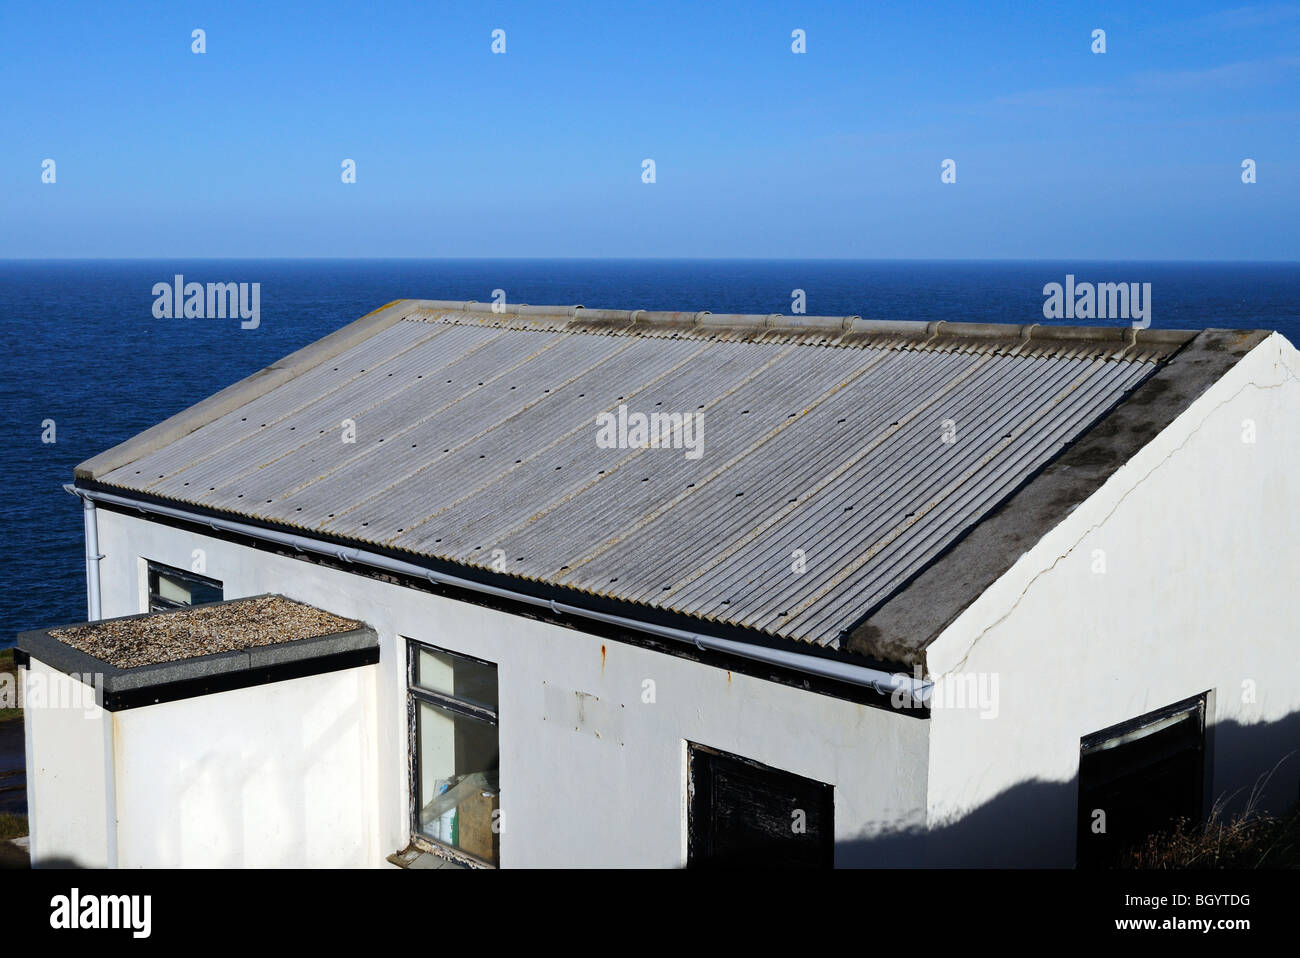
[454, 751]
[1140, 777]
[171, 588]
[743, 814]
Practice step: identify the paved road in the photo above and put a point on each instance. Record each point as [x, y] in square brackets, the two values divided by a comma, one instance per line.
[13, 769]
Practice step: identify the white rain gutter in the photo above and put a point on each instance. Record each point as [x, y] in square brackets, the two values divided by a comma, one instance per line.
[887, 683]
[93, 555]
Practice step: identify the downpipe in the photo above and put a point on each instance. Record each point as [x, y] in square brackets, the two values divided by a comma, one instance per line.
[93, 555]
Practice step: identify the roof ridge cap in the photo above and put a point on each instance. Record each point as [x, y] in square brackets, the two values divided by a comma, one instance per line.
[1124, 337]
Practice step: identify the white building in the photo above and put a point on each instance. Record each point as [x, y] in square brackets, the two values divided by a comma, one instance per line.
[881, 594]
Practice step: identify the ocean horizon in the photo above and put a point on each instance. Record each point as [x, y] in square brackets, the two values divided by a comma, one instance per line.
[89, 363]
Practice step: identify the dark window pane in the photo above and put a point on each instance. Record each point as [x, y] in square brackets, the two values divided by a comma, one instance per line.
[171, 588]
[201, 593]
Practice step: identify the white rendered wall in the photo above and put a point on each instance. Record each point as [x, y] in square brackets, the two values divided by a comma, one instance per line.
[606, 789]
[1201, 540]
[69, 771]
[274, 775]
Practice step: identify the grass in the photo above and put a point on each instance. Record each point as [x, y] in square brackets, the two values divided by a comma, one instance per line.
[11, 856]
[8, 685]
[1249, 839]
[11, 826]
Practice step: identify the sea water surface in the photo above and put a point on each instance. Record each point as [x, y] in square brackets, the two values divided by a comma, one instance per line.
[83, 350]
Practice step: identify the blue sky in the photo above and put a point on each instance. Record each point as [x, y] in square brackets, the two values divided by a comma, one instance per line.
[1061, 153]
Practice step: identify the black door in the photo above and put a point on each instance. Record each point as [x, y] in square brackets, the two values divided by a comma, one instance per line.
[743, 814]
[1138, 778]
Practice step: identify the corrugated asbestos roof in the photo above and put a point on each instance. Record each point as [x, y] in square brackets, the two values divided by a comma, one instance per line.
[823, 447]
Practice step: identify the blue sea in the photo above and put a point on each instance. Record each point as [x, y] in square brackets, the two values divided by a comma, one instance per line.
[82, 347]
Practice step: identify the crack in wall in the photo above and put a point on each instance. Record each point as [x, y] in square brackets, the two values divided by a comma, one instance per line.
[1292, 377]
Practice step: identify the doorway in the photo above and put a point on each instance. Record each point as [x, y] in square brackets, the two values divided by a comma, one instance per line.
[742, 814]
[1140, 777]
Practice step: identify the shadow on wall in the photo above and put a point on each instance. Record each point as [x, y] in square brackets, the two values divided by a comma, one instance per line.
[1033, 823]
[1025, 826]
[1244, 753]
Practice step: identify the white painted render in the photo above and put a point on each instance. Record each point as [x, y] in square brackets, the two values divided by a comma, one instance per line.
[1200, 536]
[606, 789]
[69, 770]
[275, 775]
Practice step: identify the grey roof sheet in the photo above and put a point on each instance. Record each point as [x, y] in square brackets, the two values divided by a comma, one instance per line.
[476, 431]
